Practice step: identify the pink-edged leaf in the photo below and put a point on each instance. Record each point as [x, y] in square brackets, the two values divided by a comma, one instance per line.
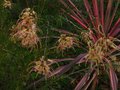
[102, 13]
[113, 79]
[114, 27]
[113, 15]
[74, 15]
[116, 32]
[95, 82]
[107, 15]
[79, 21]
[78, 12]
[71, 10]
[90, 13]
[58, 70]
[63, 69]
[62, 2]
[65, 32]
[79, 58]
[67, 7]
[88, 8]
[82, 82]
[88, 84]
[52, 61]
[96, 11]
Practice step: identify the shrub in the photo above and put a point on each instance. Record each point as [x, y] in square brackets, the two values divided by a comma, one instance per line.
[102, 38]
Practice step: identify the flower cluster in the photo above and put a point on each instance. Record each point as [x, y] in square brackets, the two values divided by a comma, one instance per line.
[41, 67]
[117, 65]
[86, 36]
[25, 30]
[7, 4]
[66, 42]
[100, 49]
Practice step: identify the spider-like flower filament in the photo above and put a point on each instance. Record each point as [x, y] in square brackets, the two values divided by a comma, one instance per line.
[25, 30]
[100, 49]
[66, 42]
[41, 67]
[7, 4]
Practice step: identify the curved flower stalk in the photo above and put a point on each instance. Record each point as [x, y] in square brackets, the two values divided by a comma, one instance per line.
[102, 38]
[25, 30]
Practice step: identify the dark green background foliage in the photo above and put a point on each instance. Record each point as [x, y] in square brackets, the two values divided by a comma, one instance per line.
[14, 59]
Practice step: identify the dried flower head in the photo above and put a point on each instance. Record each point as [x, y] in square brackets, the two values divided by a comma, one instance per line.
[25, 30]
[117, 66]
[100, 49]
[28, 13]
[115, 61]
[66, 42]
[85, 36]
[41, 67]
[7, 4]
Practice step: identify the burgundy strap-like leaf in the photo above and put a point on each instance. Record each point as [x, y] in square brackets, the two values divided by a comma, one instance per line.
[107, 15]
[62, 2]
[78, 12]
[82, 82]
[113, 14]
[52, 61]
[116, 32]
[88, 84]
[90, 13]
[65, 32]
[117, 24]
[96, 11]
[75, 16]
[113, 79]
[71, 10]
[102, 14]
[79, 21]
[67, 7]
[58, 70]
[61, 70]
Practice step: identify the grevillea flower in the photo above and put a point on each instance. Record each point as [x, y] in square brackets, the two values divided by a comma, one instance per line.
[100, 49]
[7, 4]
[25, 29]
[41, 66]
[66, 42]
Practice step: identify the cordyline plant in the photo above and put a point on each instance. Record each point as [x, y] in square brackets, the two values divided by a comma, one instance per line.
[102, 39]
